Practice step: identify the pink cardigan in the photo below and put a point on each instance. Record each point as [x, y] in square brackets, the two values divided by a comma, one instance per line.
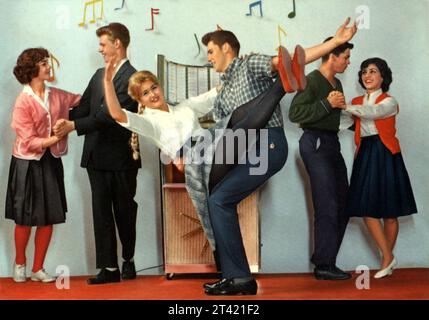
[33, 119]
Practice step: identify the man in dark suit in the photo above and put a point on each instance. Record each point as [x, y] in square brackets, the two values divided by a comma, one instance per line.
[107, 156]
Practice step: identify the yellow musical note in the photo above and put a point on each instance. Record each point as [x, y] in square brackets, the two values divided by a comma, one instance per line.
[92, 3]
[280, 31]
[52, 61]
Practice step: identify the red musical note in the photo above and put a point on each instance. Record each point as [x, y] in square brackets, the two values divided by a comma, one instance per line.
[152, 13]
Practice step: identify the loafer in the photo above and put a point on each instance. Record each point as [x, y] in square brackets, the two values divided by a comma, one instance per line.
[233, 287]
[128, 270]
[105, 276]
[386, 271]
[285, 71]
[330, 273]
[298, 67]
[42, 276]
[19, 274]
[212, 285]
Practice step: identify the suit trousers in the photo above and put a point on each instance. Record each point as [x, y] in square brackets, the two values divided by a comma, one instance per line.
[227, 194]
[113, 204]
[321, 153]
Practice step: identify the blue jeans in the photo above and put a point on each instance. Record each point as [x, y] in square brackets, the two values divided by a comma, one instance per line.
[223, 201]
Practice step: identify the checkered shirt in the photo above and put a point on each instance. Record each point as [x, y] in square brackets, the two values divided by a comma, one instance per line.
[243, 80]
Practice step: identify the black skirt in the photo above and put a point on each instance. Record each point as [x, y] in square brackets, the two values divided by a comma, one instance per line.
[379, 186]
[35, 191]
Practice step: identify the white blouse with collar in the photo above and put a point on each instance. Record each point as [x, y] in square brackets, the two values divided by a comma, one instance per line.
[169, 131]
[370, 111]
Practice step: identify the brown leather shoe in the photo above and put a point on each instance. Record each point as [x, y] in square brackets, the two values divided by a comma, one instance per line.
[285, 71]
[298, 67]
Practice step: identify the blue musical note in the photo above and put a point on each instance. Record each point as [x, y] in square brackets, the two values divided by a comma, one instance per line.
[122, 5]
[254, 4]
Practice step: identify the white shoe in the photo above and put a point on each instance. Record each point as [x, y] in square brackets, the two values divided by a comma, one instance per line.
[386, 271]
[19, 273]
[43, 276]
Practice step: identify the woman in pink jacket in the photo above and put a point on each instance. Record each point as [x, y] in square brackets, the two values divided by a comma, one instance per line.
[35, 191]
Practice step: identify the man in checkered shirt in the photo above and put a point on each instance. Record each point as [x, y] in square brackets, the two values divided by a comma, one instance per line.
[243, 80]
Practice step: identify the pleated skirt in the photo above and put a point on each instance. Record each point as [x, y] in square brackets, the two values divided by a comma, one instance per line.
[380, 186]
[35, 191]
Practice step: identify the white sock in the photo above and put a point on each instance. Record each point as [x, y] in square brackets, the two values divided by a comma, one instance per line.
[111, 269]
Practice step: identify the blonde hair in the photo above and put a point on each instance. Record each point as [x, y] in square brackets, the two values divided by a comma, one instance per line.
[134, 90]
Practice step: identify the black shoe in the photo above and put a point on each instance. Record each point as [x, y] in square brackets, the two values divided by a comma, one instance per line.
[213, 285]
[330, 273]
[232, 287]
[128, 270]
[105, 276]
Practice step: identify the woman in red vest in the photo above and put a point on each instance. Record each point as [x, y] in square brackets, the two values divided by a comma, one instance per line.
[380, 187]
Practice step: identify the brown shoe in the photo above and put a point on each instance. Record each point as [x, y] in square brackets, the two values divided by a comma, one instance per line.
[285, 71]
[298, 66]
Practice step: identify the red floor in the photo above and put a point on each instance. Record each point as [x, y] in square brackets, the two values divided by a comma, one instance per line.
[403, 284]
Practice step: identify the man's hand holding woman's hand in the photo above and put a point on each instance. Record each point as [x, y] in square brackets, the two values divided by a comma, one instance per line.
[337, 99]
[62, 128]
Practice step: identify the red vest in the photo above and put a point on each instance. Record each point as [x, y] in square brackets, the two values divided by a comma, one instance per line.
[386, 127]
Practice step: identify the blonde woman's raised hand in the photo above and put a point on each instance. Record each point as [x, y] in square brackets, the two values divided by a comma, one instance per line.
[109, 69]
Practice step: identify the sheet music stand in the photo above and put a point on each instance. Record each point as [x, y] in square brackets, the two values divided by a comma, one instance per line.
[186, 249]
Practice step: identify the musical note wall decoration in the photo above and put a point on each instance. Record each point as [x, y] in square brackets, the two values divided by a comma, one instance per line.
[93, 4]
[280, 31]
[292, 14]
[153, 11]
[52, 63]
[255, 4]
[121, 7]
[198, 44]
[363, 18]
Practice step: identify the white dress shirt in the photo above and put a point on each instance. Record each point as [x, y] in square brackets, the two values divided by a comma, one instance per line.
[118, 66]
[169, 131]
[370, 111]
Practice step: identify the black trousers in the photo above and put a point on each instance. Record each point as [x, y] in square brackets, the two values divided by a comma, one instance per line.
[321, 153]
[113, 204]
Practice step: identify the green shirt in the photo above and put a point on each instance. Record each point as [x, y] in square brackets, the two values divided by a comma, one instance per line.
[311, 108]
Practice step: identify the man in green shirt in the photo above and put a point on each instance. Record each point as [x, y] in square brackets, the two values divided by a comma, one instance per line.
[317, 109]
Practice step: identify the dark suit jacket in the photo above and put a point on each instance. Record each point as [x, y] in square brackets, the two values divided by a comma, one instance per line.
[106, 145]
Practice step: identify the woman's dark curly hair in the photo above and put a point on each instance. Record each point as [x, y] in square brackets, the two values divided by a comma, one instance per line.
[26, 65]
[385, 72]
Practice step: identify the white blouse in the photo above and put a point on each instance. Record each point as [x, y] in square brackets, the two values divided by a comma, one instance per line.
[169, 131]
[370, 111]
